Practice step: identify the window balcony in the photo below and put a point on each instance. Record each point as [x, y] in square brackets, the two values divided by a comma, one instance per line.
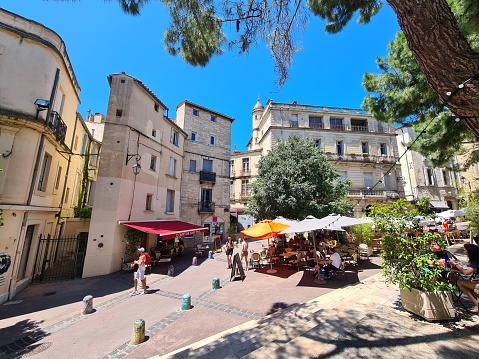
[245, 195]
[59, 128]
[359, 128]
[337, 127]
[245, 172]
[206, 207]
[316, 125]
[207, 176]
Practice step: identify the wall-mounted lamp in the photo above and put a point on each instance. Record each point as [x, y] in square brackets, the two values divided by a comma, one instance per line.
[136, 166]
[41, 105]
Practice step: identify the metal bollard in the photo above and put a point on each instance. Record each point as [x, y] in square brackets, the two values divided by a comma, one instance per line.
[186, 302]
[87, 307]
[171, 271]
[210, 255]
[194, 261]
[138, 335]
[216, 283]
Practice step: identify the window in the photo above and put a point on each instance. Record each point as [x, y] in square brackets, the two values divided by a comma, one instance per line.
[244, 188]
[83, 145]
[245, 164]
[294, 120]
[196, 112]
[336, 123]
[430, 177]
[445, 176]
[122, 81]
[317, 142]
[208, 165]
[213, 118]
[315, 122]
[192, 165]
[387, 182]
[59, 177]
[67, 194]
[340, 148]
[75, 145]
[119, 113]
[153, 133]
[156, 107]
[172, 169]
[364, 147]
[170, 200]
[193, 136]
[153, 163]
[42, 182]
[232, 190]
[175, 137]
[343, 175]
[232, 167]
[212, 141]
[206, 197]
[383, 149]
[368, 179]
[149, 201]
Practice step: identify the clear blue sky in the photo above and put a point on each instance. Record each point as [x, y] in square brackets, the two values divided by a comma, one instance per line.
[101, 40]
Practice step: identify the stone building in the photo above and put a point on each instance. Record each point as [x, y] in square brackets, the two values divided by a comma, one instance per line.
[363, 149]
[205, 181]
[422, 180]
[44, 154]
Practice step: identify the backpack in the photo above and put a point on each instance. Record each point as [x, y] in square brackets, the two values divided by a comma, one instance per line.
[147, 258]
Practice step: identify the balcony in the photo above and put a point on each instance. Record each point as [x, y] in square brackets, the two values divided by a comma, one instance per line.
[245, 172]
[361, 157]
[365, 193]
[207, 176]
[359, 128]
[337, 127]
[59, 128]
[245, 195]
[316, 125]
[206, 207]
[293, 124]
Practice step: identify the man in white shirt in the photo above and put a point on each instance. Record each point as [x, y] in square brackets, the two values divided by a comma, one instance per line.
[333, 263]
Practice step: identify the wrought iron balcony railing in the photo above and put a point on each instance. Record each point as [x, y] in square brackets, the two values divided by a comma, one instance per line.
[59, 128]
[206, 207]
[207, 176]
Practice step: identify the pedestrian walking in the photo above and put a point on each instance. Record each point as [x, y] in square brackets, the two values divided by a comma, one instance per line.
[139, 274]
[244, 252]
[229, 251]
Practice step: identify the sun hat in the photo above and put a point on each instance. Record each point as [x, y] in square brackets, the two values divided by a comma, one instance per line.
[141, 249]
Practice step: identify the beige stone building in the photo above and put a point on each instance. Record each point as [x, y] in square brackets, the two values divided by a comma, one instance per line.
[363, 149]
[205, 188]
[43, 148]
[140, 173]
[421, 180]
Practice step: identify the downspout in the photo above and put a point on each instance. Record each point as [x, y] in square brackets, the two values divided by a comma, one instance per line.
[32, 185]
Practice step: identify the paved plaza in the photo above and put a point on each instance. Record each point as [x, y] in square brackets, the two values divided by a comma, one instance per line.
[282, 315]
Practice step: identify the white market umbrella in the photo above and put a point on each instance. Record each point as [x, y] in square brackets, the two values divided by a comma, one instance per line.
[452, 213]
[336, 220]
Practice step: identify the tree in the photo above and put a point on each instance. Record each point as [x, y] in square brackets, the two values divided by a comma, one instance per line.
[295, 180]
[450, 65]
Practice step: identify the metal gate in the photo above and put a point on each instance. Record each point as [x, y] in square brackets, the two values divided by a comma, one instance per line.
[60, 258]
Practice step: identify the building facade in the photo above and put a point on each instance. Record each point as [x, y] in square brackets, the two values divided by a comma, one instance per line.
[43, 144]
[205, 188]
[363, 149]
[422, 180]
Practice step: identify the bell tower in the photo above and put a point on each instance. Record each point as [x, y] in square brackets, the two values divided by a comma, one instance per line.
[257, 114]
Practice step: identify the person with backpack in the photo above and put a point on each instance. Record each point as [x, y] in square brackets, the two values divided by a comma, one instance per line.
[140, 272]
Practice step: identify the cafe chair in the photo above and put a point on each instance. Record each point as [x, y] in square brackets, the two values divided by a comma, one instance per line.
[255, 260]
[340, 271]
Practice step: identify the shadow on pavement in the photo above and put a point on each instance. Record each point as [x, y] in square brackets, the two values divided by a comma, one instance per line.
[19, 336]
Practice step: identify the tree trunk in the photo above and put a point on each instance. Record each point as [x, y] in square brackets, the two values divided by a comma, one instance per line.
[446, 59]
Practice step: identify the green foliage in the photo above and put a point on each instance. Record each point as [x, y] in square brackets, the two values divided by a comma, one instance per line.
[400, 92]
[407, 259]
[363, 233]
[82, 212]
[295, 180]
[133, 238]
[472, 211]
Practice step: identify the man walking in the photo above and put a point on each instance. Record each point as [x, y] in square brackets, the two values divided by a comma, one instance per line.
[140, 273]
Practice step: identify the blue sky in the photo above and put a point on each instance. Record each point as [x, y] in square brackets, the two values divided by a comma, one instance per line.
[101, 40]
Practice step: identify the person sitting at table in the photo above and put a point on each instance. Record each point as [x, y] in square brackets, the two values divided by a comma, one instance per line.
[333, 263]
[443, 256]
[468, 285]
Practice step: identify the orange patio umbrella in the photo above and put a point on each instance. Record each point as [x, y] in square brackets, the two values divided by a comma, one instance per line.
[264, 229]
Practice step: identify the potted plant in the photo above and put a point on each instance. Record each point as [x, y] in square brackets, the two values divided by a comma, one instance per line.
[363, 234]
[409, 262]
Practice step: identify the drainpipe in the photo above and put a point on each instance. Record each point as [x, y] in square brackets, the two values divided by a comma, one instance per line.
[32, 185]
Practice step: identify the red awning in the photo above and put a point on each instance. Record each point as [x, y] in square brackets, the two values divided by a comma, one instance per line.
[167, 229]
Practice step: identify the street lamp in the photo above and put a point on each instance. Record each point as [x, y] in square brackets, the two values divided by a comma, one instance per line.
[136, 168]
[41, 105]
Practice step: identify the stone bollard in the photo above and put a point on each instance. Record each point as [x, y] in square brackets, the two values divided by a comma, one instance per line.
[210, 255]
[194, 261]
[216, 283]
[186, 302]
[171, 271]
[87, 307]
[138, 335]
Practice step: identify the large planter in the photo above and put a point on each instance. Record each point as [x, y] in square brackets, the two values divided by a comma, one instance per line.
[430, 306]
